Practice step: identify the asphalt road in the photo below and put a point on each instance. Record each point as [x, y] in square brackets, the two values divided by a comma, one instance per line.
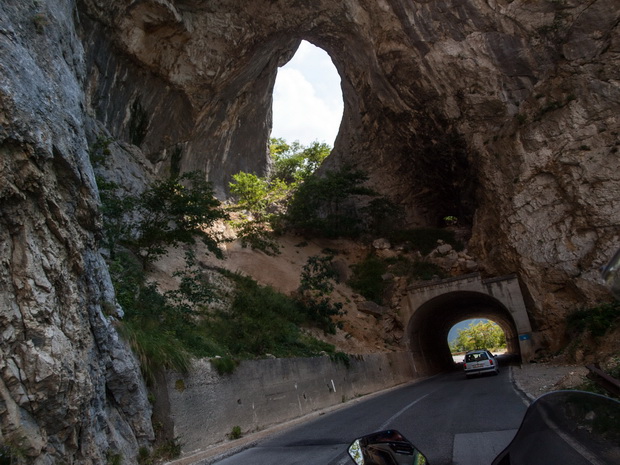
[450, 419]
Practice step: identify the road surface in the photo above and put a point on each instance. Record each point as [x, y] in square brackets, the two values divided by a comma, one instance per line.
[452, 420]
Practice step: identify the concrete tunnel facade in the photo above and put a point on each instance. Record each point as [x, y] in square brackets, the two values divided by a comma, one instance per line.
[436, 307]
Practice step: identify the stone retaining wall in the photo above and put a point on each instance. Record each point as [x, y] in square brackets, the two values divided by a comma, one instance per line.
[203, 407]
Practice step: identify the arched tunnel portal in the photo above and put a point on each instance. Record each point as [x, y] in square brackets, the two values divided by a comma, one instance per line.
[437, 308]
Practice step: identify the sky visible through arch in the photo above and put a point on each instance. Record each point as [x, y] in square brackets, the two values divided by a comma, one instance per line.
[307, 99]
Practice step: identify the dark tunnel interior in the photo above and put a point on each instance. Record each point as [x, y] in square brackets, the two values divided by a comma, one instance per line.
[429, 326]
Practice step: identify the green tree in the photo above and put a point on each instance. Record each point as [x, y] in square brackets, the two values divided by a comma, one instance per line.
[166, 329]
[258, 196]
[257, 203]
[316, 283]
[367, 278]
[294, 197]
[115, 210]
[318, 274]
[262, 320]
[160, 327]
[382, 216]
[172, 212]
[322, 205]
[251, 192]
[261, 201]
[482, 335]
[294, 162]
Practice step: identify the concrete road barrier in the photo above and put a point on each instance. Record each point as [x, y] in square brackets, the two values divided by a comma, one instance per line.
[202, 407]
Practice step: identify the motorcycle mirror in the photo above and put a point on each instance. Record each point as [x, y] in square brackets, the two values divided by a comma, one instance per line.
[385, 448]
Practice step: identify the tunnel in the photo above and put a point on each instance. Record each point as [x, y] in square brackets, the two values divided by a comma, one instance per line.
[431, 322]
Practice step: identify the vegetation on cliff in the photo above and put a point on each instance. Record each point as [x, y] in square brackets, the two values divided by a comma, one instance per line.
[167, 328]
[198, 318]
[594, 330]
[170, 212]
[291, 198]
[367, 275]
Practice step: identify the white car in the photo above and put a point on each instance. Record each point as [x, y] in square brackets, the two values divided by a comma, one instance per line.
[480, 361]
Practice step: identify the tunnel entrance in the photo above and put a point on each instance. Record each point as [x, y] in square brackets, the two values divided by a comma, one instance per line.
[437, 307]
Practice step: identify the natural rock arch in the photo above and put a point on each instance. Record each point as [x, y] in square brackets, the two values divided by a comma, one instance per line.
[394, 129]
[501, 113]
[453, 107]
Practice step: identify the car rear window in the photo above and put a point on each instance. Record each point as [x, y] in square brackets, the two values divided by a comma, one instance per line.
[476, 357]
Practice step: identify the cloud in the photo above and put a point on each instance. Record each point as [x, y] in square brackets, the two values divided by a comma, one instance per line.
[307, 100]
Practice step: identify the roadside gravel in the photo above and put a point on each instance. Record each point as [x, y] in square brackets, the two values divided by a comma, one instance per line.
[535, 379]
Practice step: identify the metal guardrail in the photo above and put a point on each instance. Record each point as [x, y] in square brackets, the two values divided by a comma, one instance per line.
[604, 380]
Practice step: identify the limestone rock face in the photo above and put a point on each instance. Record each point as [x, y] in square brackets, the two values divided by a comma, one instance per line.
[501, 113]
[70, 390]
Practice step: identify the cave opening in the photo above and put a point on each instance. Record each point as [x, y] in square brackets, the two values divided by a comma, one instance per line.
[307, 98]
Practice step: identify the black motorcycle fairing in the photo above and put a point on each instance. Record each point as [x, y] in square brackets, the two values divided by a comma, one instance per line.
[576, 427]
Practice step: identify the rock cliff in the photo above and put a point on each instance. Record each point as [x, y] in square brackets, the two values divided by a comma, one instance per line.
[502, 113]
[70, 391]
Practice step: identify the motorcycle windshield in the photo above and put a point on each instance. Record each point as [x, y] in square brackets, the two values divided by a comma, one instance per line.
[567, 427]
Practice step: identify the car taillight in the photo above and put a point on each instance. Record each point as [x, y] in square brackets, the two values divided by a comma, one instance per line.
[491, 361]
